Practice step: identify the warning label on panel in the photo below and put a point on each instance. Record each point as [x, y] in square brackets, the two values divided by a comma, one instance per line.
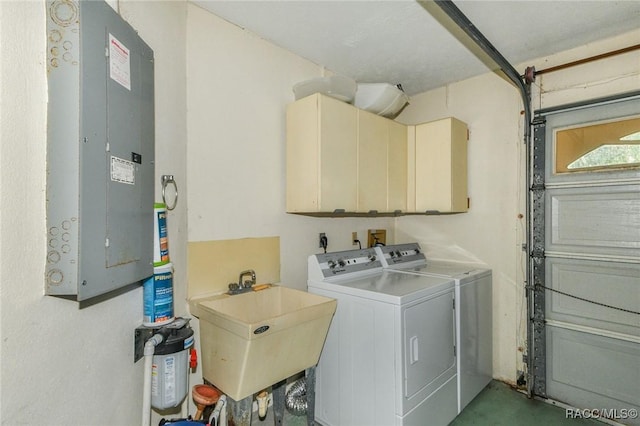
[123, 171]
[119, 62]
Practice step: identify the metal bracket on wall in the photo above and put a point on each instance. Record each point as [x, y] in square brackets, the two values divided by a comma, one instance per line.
[142, 334]
[166, 180]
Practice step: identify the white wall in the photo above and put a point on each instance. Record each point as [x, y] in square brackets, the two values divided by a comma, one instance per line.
[492, 231]
[238, 86]
[604, 77]
[62, 365]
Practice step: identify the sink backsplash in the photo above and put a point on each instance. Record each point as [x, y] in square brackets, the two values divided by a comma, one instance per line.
[212, 265]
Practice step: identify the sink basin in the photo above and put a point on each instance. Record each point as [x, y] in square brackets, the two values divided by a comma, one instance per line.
[252, 340]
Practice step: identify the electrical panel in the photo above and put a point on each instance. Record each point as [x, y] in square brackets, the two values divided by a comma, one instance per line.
[100, 151]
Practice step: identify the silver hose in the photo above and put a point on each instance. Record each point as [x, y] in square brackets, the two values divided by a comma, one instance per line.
[296, 398]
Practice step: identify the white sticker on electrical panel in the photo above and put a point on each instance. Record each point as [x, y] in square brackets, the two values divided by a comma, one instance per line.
[119, 62]
[123, 171]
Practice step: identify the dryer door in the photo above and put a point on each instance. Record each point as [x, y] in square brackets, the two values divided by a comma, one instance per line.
[429, 340]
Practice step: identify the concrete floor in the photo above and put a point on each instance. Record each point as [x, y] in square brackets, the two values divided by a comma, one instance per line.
[496, 405]
[499, 405]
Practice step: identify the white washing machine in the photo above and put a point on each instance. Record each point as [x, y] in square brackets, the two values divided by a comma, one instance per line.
[389, 356]
[473, 290]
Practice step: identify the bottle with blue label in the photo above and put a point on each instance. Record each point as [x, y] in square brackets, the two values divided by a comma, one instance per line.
[158, 296]
[160, 235]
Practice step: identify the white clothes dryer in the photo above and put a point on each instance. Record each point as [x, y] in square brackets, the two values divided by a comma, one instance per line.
[473, 307]
[389, 354]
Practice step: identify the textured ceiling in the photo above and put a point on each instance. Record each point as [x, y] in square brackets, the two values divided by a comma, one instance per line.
[408, 42]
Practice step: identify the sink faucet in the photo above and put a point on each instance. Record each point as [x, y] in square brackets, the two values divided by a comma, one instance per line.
[249, 272]
[242, 286]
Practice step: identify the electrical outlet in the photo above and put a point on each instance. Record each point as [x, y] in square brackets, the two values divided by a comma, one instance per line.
[354, 238]
[322, 240]
[376, 236]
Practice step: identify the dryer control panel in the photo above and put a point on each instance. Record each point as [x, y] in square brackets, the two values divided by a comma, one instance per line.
[401, 255]
[344, 263]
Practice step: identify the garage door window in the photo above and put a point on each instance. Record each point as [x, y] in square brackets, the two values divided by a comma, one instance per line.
[598, 147]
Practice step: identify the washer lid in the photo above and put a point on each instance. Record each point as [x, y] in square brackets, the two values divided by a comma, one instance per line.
[449, 269]
[389, 286]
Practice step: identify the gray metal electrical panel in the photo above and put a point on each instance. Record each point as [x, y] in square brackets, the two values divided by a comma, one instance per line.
[100, 151]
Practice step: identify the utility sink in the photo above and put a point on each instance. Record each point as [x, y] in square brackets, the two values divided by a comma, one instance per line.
[253, 340]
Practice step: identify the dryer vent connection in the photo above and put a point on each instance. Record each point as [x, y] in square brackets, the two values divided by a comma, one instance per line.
[296, 398]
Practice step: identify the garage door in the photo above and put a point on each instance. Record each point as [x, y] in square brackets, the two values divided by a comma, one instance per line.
[586, 256]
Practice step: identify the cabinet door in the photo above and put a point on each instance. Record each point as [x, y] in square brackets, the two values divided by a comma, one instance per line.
[459, 177]
[338, 155]
[321, 155]
[303, 155]
[373, 136]
[441, 166]
[397, 167]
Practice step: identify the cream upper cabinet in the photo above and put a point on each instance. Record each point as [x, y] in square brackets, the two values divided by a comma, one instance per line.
[438, 166]
[345, 160]
[382, 164]
[321, 155]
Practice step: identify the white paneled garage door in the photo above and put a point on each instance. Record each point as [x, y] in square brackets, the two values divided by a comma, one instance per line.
[589, 271]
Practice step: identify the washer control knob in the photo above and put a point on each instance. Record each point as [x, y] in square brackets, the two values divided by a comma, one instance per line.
[341, 263]
[332, 264]
[372, 257]
[398, 253]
